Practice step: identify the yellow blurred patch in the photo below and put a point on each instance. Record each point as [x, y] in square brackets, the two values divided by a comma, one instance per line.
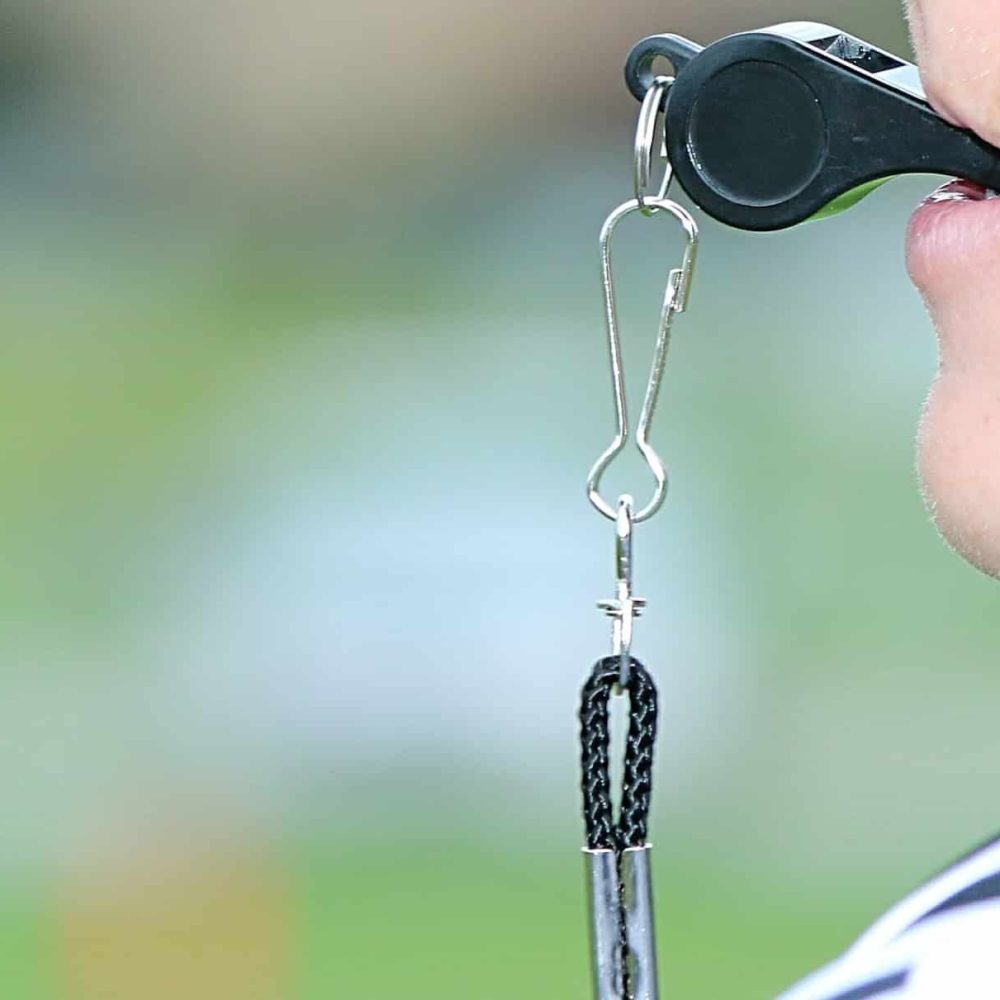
[191, 923]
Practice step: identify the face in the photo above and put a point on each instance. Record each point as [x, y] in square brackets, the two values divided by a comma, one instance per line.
[954, 258]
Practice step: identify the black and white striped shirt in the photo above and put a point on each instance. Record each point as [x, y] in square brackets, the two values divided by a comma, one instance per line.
[942, 942]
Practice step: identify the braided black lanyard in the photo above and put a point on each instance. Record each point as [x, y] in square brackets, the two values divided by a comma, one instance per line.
[623, 944]
[603, 833]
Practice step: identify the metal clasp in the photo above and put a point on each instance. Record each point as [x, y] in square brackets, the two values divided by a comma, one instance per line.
[675, 300]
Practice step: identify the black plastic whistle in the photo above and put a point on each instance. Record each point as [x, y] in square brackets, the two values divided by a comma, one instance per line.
[769, 128]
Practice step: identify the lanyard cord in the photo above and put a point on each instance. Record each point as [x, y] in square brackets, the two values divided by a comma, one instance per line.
[595, 738]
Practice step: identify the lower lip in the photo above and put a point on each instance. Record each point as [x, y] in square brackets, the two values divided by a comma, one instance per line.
[959, 222]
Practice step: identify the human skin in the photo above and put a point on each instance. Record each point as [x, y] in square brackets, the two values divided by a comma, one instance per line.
[953, 255]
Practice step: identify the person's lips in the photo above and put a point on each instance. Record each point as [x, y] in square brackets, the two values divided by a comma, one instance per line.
[956, 229]
[960, 190]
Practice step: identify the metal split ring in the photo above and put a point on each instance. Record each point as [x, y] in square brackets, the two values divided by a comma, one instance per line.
[645, 138]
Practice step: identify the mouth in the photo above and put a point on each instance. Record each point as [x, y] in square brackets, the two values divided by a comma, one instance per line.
[959, 190]
[957, 226]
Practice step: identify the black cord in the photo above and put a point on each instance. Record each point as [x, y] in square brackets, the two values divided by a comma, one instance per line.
[595, 738]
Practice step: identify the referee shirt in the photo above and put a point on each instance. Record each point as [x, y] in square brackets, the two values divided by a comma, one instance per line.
[942, 942]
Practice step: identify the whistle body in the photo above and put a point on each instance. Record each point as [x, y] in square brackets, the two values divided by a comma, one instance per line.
[770, 128]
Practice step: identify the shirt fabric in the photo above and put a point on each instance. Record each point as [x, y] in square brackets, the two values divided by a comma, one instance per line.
[942, 942]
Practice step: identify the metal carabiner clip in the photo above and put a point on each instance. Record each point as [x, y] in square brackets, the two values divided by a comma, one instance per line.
[675, 300]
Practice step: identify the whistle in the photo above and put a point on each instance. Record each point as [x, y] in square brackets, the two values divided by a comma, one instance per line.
[769, 128]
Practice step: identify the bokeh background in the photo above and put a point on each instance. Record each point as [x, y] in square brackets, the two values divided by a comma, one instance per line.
[302, 372]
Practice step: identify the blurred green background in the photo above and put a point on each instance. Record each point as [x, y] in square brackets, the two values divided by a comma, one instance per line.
[303, 370]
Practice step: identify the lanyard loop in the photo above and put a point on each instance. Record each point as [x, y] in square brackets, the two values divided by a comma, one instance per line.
[604, 832]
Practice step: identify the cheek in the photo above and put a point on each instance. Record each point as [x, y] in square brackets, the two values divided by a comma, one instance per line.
[959, 44]
[959, 463]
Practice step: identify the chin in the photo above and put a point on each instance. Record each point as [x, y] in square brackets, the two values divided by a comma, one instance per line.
[959, 464]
